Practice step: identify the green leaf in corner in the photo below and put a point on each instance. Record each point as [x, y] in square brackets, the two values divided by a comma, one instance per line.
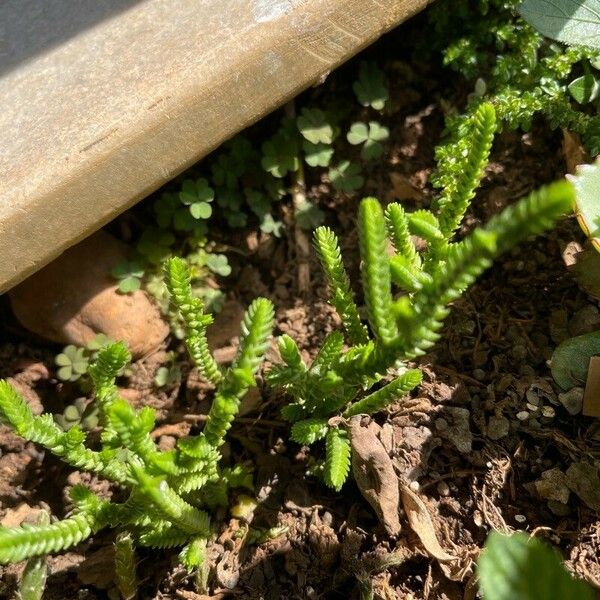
[570, 361]
[568, 21]
[519, 567]
[587, 198]
[584, 89]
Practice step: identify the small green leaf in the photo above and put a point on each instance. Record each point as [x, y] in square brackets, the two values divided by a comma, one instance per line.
[308, 215]
[73, 363]
[584, 89]
[129, 274]
[519, 567]
[129, 285]
[280, 155]
[346, 177]
[167, 376]
[218, 264]
[309, 431]
[358, 134]
[196, 191]
[587, 199]
[270, 225]
[317, 155]
[99, 341]
[155, 244]
[313, 125]
[568, 21]
[570, 361]
[200, 210]
[337, 459]
[370, 136]
[370, 89]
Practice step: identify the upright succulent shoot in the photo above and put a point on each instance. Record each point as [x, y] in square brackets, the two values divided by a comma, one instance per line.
[406, 295]
[169, 491]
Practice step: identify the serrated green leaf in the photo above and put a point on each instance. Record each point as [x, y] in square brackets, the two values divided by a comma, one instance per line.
[519, 567]
[309, 431]
[587, 197]
[337, 459]
[568, 21]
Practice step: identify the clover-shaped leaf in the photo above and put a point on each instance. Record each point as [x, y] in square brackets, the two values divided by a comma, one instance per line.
[237, 157]
[235, 218]
[167, 376]
[129, 273]
[313, 125]
[270, 225]
[280, 155]
[165, 207]
[370, 136]
[197, 195]
[317, 155]
[72, 362]
[98, 341]
[308, 215]
[218, 264]
[155, 244]
[258, 203]
[370, 89]
[346, 177]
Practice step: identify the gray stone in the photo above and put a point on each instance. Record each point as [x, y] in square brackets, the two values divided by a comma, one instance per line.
[498, 427]
[572, 400]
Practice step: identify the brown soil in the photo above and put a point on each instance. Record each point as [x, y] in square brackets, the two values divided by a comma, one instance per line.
[477, 458]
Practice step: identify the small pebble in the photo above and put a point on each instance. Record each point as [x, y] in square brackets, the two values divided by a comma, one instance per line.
[548, 412]
[532, 407]
[520, 518]
[498, 427]
[414, 486]
[522, 415]
[572, 400]
[479, 374]
[443, 488]
[519, 352]
[441, 424]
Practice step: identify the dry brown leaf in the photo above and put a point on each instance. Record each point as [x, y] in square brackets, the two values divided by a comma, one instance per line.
[374, 473]
[591, 397]
[573, 150]
[421, 523]
[403, 189]
[584, 265]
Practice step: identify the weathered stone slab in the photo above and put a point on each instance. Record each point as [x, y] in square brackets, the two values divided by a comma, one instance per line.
[105, 100]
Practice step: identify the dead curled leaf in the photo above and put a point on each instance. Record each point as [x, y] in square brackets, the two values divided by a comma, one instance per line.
[374, 473]
[421, 523]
